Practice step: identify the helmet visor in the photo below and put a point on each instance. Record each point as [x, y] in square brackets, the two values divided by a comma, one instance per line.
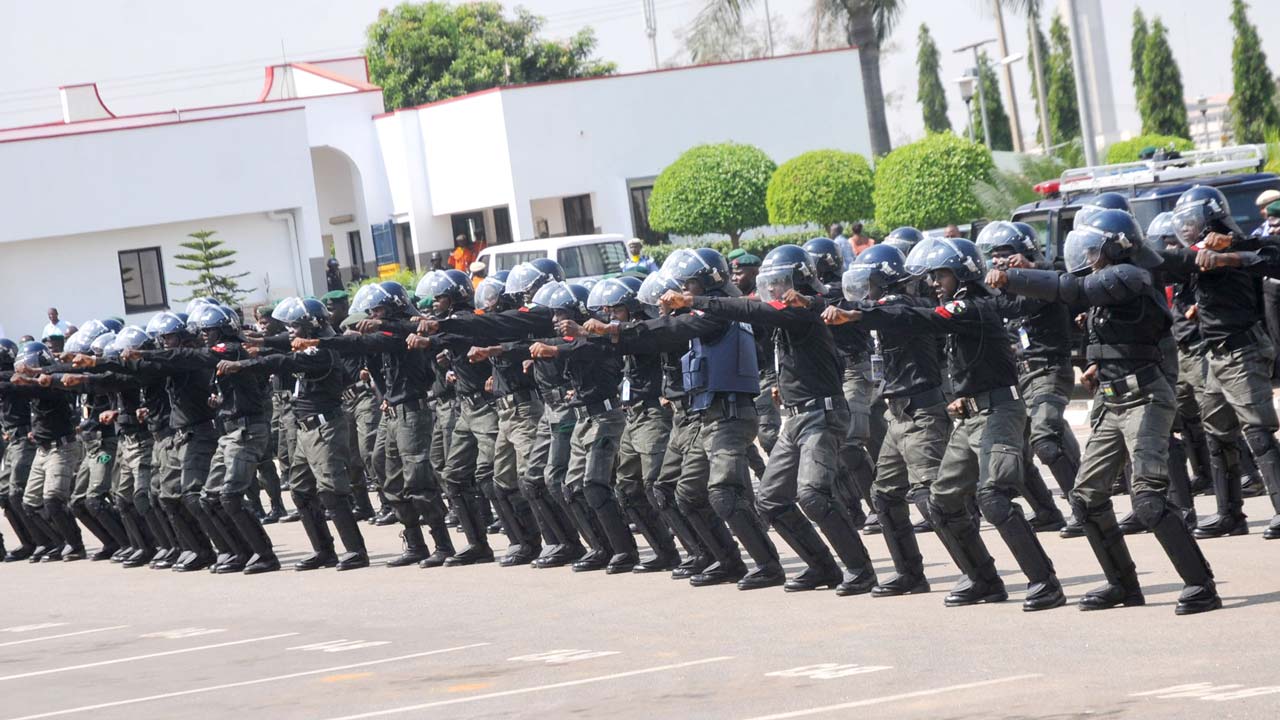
[1081, 250]
[369, 297]
[555, 295]
[79, 342]
[488, 293]
[773, 283]
[34, 358]
[130, 338]
[103, 343]
[930, 254]
[521, 278]
[290, 311]
[607, 293]
[1190, 222]
[655, 285]
[684, 265]
[856, 282]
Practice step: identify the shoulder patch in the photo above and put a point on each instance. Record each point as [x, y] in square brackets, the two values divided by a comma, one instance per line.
[219, 348]
[886, 299]
[524, 308]
[568, 338]
[699, 313]
[955, 307]
[776, 304]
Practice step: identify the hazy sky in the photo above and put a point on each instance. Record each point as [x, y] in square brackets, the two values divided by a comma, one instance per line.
[151, 55]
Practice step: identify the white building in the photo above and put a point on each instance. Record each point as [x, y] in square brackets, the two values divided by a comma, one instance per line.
[1210, 121]
[96, 205]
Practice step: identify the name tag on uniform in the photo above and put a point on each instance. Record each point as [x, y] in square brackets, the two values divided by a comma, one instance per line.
[877, 368]
[1024, 338]
[626, 389]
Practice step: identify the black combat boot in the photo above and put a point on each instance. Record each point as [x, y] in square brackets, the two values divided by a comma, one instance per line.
[344, 520]
[1199, 594]
[959, 534]
[900, 538]
[471, 519]
[1044, 592]
[322, 555]
[1108, 544]
[797, 531]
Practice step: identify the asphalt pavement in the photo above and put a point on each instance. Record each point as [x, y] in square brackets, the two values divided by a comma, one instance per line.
[96, 641]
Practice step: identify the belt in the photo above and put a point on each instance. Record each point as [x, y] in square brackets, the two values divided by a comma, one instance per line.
[1130, 384]
[414, 403]
[63, 441]
[903, 404]
[476, 400]
[1234, 342]
[596, 409]
[974, 404]
[823, 403]
[512, 399]
[1195, 347]
[643, 404]
[1032, 364]
[1122, 352]
[285, 395]
[312, 422]
[244, 421]
[552, 395]
[349, 395]
[732, 406]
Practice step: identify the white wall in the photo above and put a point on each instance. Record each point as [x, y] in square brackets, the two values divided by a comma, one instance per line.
[336, 197]
[591, 136]
[464, 144]
[80, 275]
[549, 209]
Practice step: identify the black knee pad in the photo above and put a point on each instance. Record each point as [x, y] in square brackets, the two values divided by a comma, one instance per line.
[142, 503]
[725, 501]
[944, 520]
[1047, 451]
[231, 504]
[597, 496]
[53, 507]
[1149, 508]
[407, 514]
[328, 500]
[816, 507]
[193, 505]
[1259, 441]
[77, 505]
[95, 505]
[301, 500]
[995, 505]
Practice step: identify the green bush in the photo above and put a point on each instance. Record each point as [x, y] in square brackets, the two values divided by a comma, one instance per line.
[712, 189]
[1128, 150]
[759, 246]
[929, 183]
[822, 187]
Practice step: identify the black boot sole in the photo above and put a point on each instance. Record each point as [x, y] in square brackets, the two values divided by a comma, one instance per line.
[1049, 603]
[1198, 607]
[897, 591]
[995, 597]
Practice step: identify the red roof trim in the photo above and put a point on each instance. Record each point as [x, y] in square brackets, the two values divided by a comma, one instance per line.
[267, 83]
[99, 96]
[614, 77]
[150, 125]
[330, 75]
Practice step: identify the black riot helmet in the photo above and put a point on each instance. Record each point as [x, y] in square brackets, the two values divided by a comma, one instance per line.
[705, 266]
[1162, 231]
[1098, 203]
[103, 345]
[1007, 236]
[958, 255]
[33, 354]
[655, 285]
[215, 323]
[491, 293]
[1202, 209]
[880, 266]
[452, 284]
[306, 317]
[8, 352]
[389, 295]
[826, 258]
[904, 239]
[525, 279]
[1114, 234]
[80, 342]
[787, 267]
[167, 323]
[560, 297]
[132, 337]
[611, 293]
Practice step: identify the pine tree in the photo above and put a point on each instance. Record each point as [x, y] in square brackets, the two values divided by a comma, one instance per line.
[1036, 35]
[1064, 109]
[1253, 107]
[929, 92]
[206, 259]
[997, 120]
[1161, 104]
[1137, 47]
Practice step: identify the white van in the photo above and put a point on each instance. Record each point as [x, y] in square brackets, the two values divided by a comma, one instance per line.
[585, 258]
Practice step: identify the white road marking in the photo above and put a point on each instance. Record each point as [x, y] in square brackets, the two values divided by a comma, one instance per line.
[61, 635]
[334, 646]
[29, 628]
[828, 671]
[533, 689]
[893, 698]
[181, 633]
[69, 668]
[255, 681]
[560, 657]
[1209, 691]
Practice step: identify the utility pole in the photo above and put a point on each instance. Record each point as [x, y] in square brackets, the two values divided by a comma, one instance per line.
[768, 27]
[1011, 100]
[982, 95]
[651, 29]
[1037, 68]
[1084, 96]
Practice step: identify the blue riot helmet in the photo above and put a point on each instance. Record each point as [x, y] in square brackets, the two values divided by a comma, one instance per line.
[452, 284]
[491, 292]
[1114, 234]
[958, 255]
[611, 293]
[33, 354]
[880, 266]
[787, 267]
[656, 285]
[826, 258]
[525, 279]
[132, 337]
[8, 352]
[904, 239]
[166, 323]
[114, 324]
[215, 323]
[388, 295]
[79, 342]
[88, 330]
[102, 344]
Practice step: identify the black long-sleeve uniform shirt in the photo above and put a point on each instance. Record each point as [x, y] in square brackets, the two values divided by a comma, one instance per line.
[15, 408]
[187, 389]
[242, 396]
[1039, 329]
[405, 374]
[809, 367]
[1229, 299]
[52, 417]
[912, 363]
[978, 354]
[319, 378]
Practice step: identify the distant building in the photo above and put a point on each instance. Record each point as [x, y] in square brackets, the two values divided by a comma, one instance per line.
[1210, 120]
[95, 205]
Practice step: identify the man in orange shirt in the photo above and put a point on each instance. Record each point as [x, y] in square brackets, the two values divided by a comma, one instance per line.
[464, 253]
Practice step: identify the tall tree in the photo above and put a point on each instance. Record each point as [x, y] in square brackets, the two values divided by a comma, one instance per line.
[1137, 48]
[1253, 107]
[1039, 44]
[1162, 105]
[422, 52]
[929, 92]
[1064, 110]
[867, 24]
[997, 119]
[207, 259]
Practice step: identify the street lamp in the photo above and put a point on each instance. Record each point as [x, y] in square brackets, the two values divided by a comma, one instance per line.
[1202, 102]
[982, 97]
[966, 83]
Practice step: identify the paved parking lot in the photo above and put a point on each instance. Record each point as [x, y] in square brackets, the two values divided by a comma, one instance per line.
[93, 640]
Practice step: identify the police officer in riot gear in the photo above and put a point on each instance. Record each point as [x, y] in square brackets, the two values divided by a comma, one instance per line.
[19, 452]
[918, 425]
[321, 482]
[1127, 321]
[988, 436]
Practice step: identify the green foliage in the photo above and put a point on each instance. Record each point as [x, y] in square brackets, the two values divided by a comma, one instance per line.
[998, 121]
[1064, 111]
[1273, 151]
[1253, 104]
[1161, 103]
[929, 92]
[1038, 168]
[823, 187]
[758, 246]
[1036, 35]
[717, 188]
[1128, 150]
[929, 183]
[1003, 193]
[423, 52]
[1137, 48]
[207, 259]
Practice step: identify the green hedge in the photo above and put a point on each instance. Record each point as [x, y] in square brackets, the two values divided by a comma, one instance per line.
[756, 246]
[823, 187]
[930, 182]
[1128, 150]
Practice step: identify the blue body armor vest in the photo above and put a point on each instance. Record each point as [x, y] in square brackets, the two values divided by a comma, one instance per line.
[726, 364]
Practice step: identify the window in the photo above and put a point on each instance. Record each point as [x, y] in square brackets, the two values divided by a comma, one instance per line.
[406, 245]
[588, 260]
[502, 225]
[142, 280]
[577, 215]
[640, 214]
[506, 261]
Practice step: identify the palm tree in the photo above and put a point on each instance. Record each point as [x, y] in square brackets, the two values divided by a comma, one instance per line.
[867, 24]
[1031, 8]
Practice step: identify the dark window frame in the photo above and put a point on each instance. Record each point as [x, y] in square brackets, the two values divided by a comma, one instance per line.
[130, 308]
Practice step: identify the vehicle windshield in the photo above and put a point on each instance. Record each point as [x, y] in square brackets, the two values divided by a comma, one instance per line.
[1040, 221]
